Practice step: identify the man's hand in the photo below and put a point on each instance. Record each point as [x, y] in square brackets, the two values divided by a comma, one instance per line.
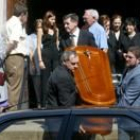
[41, 65]
[2, 109]
[81, 129]
[12, 45]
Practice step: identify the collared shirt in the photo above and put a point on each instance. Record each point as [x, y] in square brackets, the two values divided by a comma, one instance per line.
[76, 36]
[117, 35]
[14, 31]
[99, 34]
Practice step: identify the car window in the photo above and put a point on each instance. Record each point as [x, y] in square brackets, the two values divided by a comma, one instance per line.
[34, 129]
[104, 128]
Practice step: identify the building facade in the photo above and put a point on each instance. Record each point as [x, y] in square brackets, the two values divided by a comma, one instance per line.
[7, 10]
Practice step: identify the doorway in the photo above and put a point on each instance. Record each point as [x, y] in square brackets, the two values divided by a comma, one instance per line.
[37, 8]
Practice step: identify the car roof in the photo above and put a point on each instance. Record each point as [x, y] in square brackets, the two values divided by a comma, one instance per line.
[78, 110]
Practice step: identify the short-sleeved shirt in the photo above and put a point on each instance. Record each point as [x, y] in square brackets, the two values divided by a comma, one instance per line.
[14, 31]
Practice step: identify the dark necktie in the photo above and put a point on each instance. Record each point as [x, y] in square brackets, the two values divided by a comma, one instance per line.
[72, 40]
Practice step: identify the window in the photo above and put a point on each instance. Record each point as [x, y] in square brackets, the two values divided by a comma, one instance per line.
[104, 128]
[34, 129]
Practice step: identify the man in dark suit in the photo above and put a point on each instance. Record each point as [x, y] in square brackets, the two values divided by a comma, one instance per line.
[61, 88]
[75, 36]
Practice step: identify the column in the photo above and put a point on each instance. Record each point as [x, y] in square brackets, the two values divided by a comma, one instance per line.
[3, 13]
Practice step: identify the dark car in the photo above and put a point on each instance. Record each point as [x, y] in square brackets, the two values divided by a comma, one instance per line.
[78, 123]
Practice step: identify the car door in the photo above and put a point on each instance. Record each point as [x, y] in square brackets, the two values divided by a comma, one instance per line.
[88, 123]
[34, 125]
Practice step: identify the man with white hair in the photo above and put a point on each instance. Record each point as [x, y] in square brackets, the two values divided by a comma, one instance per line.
[91, 17]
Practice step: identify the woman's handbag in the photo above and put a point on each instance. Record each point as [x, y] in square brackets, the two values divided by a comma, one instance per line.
[2, 78]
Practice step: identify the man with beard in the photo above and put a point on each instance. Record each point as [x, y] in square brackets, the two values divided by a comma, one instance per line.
[128, 93]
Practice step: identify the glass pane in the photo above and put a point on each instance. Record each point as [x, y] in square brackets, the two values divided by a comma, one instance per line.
[35, 129]
[128, 129]
[104, 128]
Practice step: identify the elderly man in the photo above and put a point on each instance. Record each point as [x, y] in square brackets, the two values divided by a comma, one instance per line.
[91, 17]
[61, 88]
[75, 36]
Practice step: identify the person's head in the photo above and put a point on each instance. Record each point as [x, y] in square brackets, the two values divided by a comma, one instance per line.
[21, 11]
[70, 22]
[104, 20]
[37, 25]
[70, 59]
[130, 25]
[22, 1]
[90, 16]
[116, 22]
[133, 56]
[49, 21]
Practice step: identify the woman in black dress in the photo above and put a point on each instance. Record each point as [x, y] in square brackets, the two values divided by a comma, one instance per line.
[49, 53]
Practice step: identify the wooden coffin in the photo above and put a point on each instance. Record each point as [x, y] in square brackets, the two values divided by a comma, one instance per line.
[94, 81]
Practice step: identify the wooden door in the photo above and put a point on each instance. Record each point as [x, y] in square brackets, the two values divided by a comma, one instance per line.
[10, 6]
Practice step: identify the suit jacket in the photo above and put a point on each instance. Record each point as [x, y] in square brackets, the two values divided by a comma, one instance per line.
[129, 88]
[129, 95]
[127, 42]
[61, 88]
[85, 38]
[112, 46]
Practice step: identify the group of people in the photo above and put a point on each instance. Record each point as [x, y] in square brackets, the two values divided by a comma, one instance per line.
[42, 49]
[121, 34]
[50, 45]
[51, 66]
